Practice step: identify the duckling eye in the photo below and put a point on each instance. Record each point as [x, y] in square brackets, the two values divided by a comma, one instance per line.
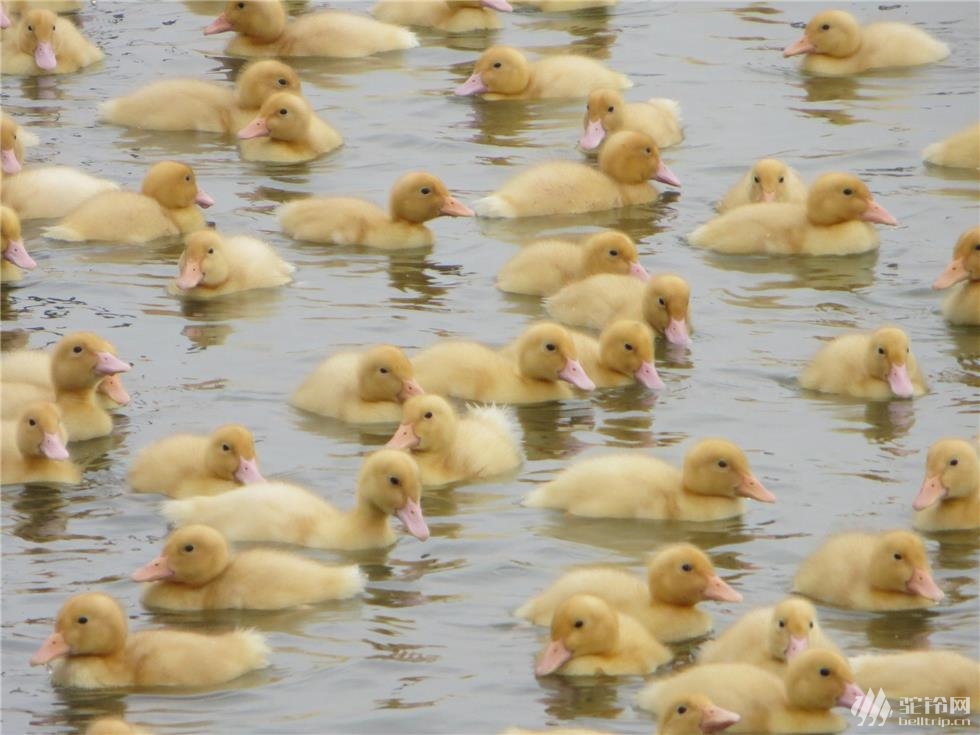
[722, 463]
[661, 301]
[210, 251]
[187, 178]
[811, 624]
[755, 179]
[394, 480]
[77, 349]
[241, 6]
[282, 82]
[647, 151]
[898, 557]
[550, 347]
[82, 620]
[189, 548]
[579, 623]
[428, 414]
[825, 27]
[32, 422]
[30, 28]
[975, 247]
[614, 253]
[952, 463]
[881, 350]
[681, 710]
[497, 65]
[848, 192]
[628, 347]
[781, 179]
[611, 109]
[425, 191]
[824, 671]
[225, 448]
[283, 111]
[383, 371]
[686, 567]
[782, 623]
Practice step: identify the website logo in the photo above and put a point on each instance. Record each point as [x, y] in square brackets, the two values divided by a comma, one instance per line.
[871, 708]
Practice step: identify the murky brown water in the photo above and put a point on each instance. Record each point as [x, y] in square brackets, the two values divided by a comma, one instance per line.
[432, 647]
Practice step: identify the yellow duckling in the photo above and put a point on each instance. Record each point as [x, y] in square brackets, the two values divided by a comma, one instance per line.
[930, 674]
[213, 265]
[627, 162]
[13, 140]
[835, 44]
[541, 365]
[166, 206]
[678, 578]
[504, 73]
[186, 464]
[694, 714]
[114, 726]
[285, 131]
[482, 444]
[607, 112]
[663, 303]
[962, 306]
[960, 150]
[769, 180]
[47, 44]
[34, 448]
[949, 499]
[91, 648]
[801, 702]
[835, 220]
[55, 6]
[876, 365]
[360, 387]
[622, 355]
[543, 268]
[864, 571]
[14, 255]
[715, 477]
[565, 6]
[589, 638]
[264, 30]
[197, 571]
[451, 16]
[415, 199]
[389, 484]
[34, 367]
[769, 637]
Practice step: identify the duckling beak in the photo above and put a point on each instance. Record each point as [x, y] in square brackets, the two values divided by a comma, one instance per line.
[109, 364]
[803, 46]
[552, 658]
[112, 387]
[10, 163]
[501, 6]
[852, 693]
[900, 382]
[797, 645]
[877, 213]
[44, 56]
[190, 276]
[574, 373]
[404, 438]
[53, 447]
[473, 85]
[593, 135]
[715, 719]
[720, 591]
[665, 176]
[411, 515]
[922, 584]
[159, 568]
[4, 19]
[750, 487]
[647, 376]
[258, 128]
[676, 333]
[17, 254]
[248, 471]
[768, 196]
[218, 25]
[455, 208]
[409, 388]
[954, 273]
[638, 271]
[932, 491]
[54, 647]
[203, 199]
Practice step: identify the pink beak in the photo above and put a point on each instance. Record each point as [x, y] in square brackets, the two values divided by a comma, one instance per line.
[665, 176]
[924, 585]
[248, 471]
[54, 647]
[10, 163]
[499, 5]
[638, 271]
[877, 213]
[52, 447]
[454, 208]
[593, 135]
[17, 254]
[676, 333]
[4, 19]
[768, 196]
[411, 515]
[932, 491]
[954, 273]
[797, 645]
[44, 56]
[203, 199]
[715, 719]
[157, 569]
[574, 373]
[900, 382]
[750, 487]
[404, 438]
[258, 128]
[647, 376]
[190, 276]
[109, 364]
[218, 25]
[410, 388]
[803, 46]
[720, 591]
[112, 387]
[552, 658]
[473, 85]
[852, 693]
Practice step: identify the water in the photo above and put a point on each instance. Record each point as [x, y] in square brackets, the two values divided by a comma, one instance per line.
[432, 646]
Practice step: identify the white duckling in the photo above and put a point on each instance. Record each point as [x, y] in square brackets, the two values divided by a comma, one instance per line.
[922, 674]
[959, 150]
[214, 265]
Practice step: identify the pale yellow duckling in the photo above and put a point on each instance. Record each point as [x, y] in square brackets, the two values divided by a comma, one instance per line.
[415, 199]
[114, 726]
[622, 355]
[607, 112]
[663, 303]
[13, 140]
[715, 478]
[565, 6]
[694, 714]
[55, 6]
[360, 387]
[876, 365]
[166, 206]
[34, 448]
[91, 648]
[769, 180]
[451, 16]
[389, 484]
[34, 367]
[197, 571]
[14, 255]
[213, 265]
[187, 464]
[285, 130]
[589, 638]
[504, 73]
[541, 365]
[264, 30]
[769, 637]
[962, 306]
[627, 162]
[960, 150]
[815, 682]
[835, 220]
[865, 571]
[44, 43]
[678, 578]
[949, 499]
[543, 268]
[930, 674]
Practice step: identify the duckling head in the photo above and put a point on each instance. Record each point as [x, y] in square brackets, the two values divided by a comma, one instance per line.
[836, 198]
[546, 352]
[819, 680]
[768, 180]
[284, 116]
[38, 35]
[831, 33]
[89, 624]
[230, 455]
[385, 374]
[193, 555]
[428, 425]
[418, 197]
[695, 714]
[888, 359]
[604, 115]
[952, 471]
[581, 625]
[261, 20]
[718, 467]
[683, 575]
[81, 359]
[11, 148]
[665, 307]
[630, 157]
[499, 70]
[612, 251]
[258, 80]
[390, 482]
[965, 263]
[793, 622]
[41, 433]
[174, 186]
[899, 564]
[626, 347]
[12, 240]
[203, 262]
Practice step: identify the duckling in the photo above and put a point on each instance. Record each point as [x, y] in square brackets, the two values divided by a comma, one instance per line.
[769, 637]
[949, 499]
[284, 132]
[114, 726]
[626, 162]
[482, 444]
[622, 355]
[607, 112]
[13, 140]
[197, 571]
[34, 448]
[541, 365]
[678, 578]
[960, 150]
[835, 220]
[864, 571]
[930, 674]
[360, 387]
[55, 6]
[34, 367]
[47, 44]
[815, 682]
[835, 44]
[50, 191]
[213, 265]
[91, 648]
[663, 303]
[187, 464]
[389, 484]
[876, 365]
[962, 306]
[769, 180]
[415, 199]
[715, 477]
[504, 73]
[543, 268]
[14, 255]
[695, 714]
[264, 30]
[450, 16]
[566, 6]
[589, 638]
